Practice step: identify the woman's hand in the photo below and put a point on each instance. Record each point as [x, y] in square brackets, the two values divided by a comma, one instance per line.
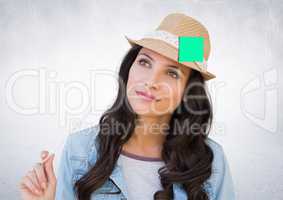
[40, 182]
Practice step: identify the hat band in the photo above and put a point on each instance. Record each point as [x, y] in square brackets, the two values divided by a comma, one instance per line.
[165, 36]
[174, 41]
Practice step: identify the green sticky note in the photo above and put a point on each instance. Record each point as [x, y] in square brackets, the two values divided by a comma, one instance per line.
[191, 49]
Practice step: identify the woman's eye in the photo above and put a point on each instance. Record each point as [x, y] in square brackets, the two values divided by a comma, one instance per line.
[143, 62]
[174, 74]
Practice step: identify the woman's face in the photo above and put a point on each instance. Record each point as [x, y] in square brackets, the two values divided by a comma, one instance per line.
[161, 78]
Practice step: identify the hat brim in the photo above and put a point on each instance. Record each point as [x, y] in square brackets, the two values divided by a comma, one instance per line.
[170, 52]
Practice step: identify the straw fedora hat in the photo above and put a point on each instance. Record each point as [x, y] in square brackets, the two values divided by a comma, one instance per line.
[165, 40]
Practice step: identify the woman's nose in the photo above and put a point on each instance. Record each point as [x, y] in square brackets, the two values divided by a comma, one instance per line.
[153, 80]
[151, 85]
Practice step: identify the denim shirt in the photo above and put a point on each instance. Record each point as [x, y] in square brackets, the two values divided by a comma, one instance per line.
[80, 152]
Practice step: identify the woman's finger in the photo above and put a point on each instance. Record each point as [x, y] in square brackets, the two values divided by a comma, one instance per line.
[44, 156]
[41, 175]
[33, 177]
[49, 169]
[28, 184]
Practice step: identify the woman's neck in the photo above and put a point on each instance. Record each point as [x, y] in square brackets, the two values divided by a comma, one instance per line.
[148, 136]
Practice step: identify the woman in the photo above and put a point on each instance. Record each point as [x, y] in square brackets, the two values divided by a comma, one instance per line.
[152, 143]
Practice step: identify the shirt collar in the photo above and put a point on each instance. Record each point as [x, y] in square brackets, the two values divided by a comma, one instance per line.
[118, 179]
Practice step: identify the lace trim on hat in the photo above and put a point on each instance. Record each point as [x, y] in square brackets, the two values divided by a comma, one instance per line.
[165, 36]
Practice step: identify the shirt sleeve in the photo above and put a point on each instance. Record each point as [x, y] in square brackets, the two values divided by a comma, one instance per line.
[224, 183]
[64, 188]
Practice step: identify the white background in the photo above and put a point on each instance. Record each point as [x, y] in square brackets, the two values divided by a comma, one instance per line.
[68, 39]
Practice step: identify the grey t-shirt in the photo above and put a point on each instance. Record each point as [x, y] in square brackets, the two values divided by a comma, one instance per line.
[141, 175]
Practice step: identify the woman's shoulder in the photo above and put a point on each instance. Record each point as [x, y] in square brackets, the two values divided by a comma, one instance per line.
[215, 146]
[78, 151]
[81, 144]
[218, 156]
[220, 181]
[83, 137]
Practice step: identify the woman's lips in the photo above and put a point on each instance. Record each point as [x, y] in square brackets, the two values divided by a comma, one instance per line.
[145, 95]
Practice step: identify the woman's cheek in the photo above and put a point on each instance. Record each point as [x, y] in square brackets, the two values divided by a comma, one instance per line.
[134, 82]
[174, 96]
[132, 77]
[137, 78]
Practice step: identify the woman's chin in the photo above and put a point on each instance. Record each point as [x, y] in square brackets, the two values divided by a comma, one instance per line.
[149, 112]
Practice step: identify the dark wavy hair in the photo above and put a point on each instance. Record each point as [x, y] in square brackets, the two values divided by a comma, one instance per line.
[187, 157]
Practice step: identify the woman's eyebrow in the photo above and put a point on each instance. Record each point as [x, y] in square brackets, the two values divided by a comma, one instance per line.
[147, 56]
[171, 66]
